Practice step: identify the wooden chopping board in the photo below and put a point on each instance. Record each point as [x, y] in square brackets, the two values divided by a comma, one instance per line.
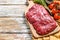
[55, 36]
[52, 37]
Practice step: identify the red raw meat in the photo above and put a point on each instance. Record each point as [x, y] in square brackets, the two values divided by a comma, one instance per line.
[42, 22]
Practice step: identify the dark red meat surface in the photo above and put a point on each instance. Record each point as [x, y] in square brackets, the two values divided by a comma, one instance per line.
[42, 22]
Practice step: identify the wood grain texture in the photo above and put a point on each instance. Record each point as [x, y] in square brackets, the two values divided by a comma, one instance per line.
[14, 37]
[12, 21]
[12, 1]
[12, 10]
[13, 25]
